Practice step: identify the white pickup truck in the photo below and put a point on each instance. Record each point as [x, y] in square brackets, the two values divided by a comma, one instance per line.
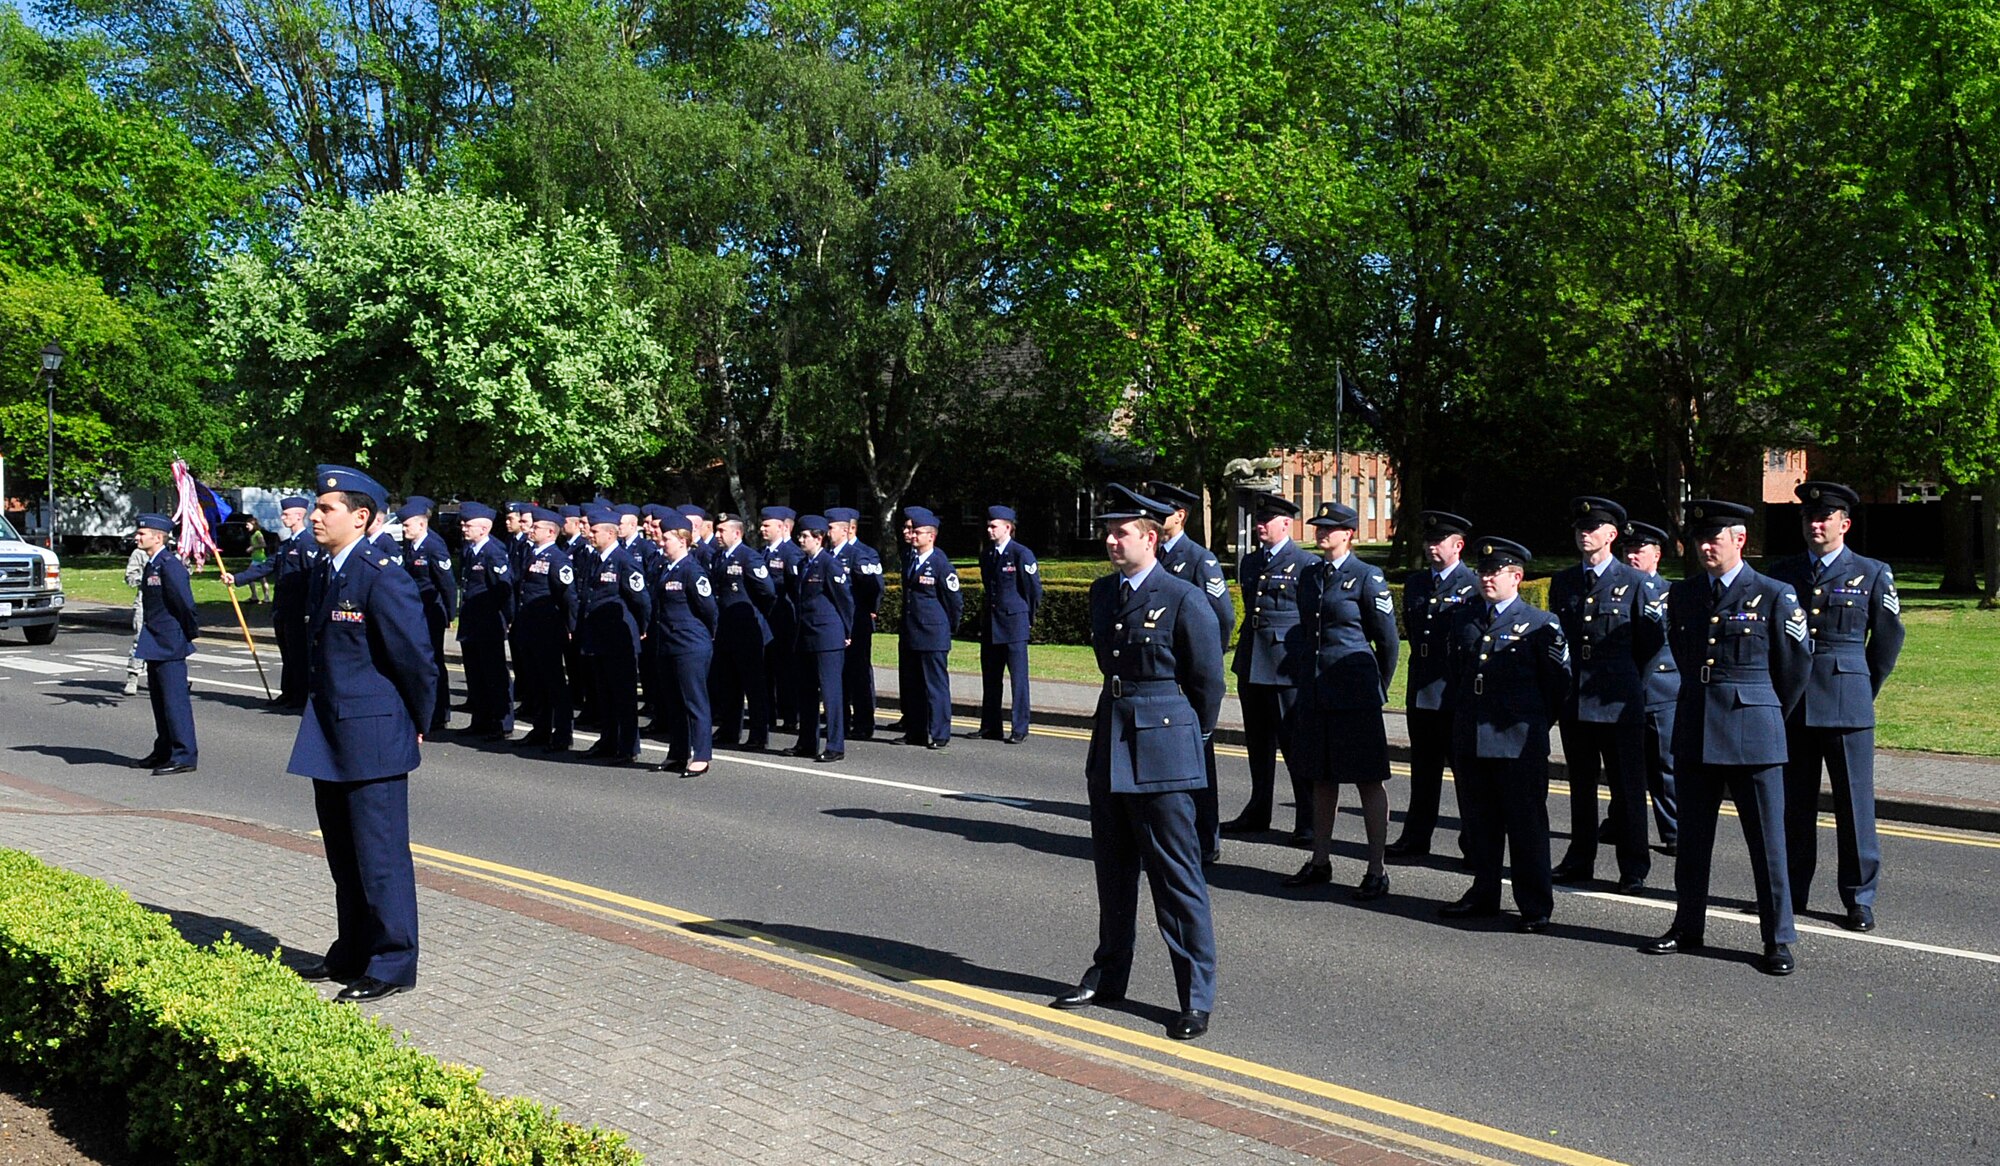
[31, 595]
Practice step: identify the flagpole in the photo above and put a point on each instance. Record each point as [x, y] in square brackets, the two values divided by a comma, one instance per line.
[245, 625]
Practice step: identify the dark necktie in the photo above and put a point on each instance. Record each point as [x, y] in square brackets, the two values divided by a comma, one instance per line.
[1715, 591]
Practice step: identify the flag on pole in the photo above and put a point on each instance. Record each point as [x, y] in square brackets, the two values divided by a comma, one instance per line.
[198, 514]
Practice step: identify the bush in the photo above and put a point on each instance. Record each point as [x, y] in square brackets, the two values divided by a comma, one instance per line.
[218, 1055]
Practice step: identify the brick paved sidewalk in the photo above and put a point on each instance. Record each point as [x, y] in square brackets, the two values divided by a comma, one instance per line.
[698, 1053]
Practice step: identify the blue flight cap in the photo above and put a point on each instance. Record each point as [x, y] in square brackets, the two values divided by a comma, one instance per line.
[919, 516]
[1590, 512]
[415, 506]
[671, 519]
[1705, 515]
[544, 514]
[347, 479]
[601, 516]
[815, 523]
[520, 507]
[690, 510]
[1168, 492]
[1334, 516]
[625, 510]
[781, 513]
[1003, 513]
[1823, 496]
[468, 510]
[1640, 533]
[572, 512]
[657, 512]
[842, 514]
[1122, 504]
[1495, 553]
[295, 502]
[159, 522]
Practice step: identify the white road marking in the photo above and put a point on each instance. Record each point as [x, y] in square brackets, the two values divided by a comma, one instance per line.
[823, 771]
[1737, 915]
[102, 661]
[40, 667]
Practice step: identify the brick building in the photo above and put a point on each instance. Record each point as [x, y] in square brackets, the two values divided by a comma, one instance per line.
[1308, 477]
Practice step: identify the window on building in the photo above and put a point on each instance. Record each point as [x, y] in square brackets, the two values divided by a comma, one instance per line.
[1374, 494]
[1319, 491]
[1299, 489]
[1777, 459]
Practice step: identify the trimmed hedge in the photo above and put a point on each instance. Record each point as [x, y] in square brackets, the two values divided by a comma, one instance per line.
[1064, 617]
[218, 1055]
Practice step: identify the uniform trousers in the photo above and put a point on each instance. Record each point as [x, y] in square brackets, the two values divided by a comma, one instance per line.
[1155, 832]
[1504, 803]
[683, 684]
[615, 669]
[538, 653]
[857, 681]
[366, 830]
[1618, 753]
[925, 682]
[818, 682]
[173, 712]
[528, 693]
[1849, 757]
[1268, 711]
[1430, 753]
[993, 660]
[1660, 773]
[736, 675]
[436, 623]
[782, 680]
[1208, 805]
[489, 696]
[290, 631]
[1759, 794]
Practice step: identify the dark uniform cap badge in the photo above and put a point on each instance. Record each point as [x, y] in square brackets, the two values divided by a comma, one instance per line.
[1583, 507]
[1814, 492]
[1430, 520]
[1487, 549]
[1699, 512]
[330, 482]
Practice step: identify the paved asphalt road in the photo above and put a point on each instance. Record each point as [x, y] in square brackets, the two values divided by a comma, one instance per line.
[973, 865]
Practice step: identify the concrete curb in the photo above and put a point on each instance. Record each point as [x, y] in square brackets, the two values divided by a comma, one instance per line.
[1890, 805]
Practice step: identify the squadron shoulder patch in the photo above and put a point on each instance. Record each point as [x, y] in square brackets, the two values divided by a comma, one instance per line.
[951, 582]
[701, 585]
[1032, 568]
[636, 581]
[566, 574]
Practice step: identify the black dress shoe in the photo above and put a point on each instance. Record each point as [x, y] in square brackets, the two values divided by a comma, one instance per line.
[1469, 908]
[1212, 857]
[1016, 738]
[368, 988]
[557, 747]
[1311, 874]
[149, 761]
[1631, 886]
[831, 755]
[598, 750]
[1246, 825]
[1568, 872]
[1372, 886]
[1778, 960]
[1407, 850]
[983, 735]
[1300, 838]
[1533, 925]
[1188, 1025]
[671, 765]
[1672, 942]
[1084, 995]
[943, 744]
[1859, 919]
[534, 737]
[170, 770]
[316, 972]
[696, 769]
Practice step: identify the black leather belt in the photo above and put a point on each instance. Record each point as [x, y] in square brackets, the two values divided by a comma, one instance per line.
[1119, 687]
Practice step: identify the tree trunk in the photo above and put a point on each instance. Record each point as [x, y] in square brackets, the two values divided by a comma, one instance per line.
[889, 543]
[1989, 528]
[1959, 575]
[1408, 473]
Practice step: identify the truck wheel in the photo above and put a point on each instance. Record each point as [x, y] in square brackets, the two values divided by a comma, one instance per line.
[41, 633]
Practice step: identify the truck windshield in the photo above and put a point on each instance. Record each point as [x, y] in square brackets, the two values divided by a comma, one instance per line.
[7, 532]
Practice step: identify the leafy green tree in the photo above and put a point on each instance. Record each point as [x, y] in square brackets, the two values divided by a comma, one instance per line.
[444, 341]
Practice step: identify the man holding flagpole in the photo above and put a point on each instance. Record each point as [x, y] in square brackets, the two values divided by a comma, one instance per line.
[166, 640]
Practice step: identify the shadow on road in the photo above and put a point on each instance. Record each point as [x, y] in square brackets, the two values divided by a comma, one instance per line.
[205, 930]
[80, 754]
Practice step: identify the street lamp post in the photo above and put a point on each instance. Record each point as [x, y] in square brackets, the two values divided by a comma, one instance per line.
[52, 358]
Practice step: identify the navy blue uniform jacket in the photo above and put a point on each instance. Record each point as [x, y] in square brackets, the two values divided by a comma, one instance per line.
[1854, 619]
[1745, 662]
[1162, 664]
[429, 563]
[614, 605]
[486, 597]
[932, 604]
[1267, 652]
[1428, 604]
[1509, 680]
[1347, 622]
[1012, 582]
[168, 628]
[823, 601]
[290, 570]
[743, 587]
[1613, 627]
[370, 678]
[684, 608]
[1190, 562]
[864, 577]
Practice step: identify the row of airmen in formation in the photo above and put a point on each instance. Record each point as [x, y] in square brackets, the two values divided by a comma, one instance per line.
[1724, 682]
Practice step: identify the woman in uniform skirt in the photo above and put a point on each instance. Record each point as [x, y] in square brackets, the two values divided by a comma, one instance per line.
[1347, 620]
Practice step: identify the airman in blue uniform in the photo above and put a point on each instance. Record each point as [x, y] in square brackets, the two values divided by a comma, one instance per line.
[614, 608]
[1012, 591]
[370, 686]
[823, 598]
[1740, 641]
[932, 606]
[1643, 546]
[1613, 626]
[743, 587]
[653, 679]
[781, 554]
[1508, 668]
[1190, 562]
[575, 542]
[543, 625]
[1158, 647]
[290, 568]
[520, 517]
[864, 577]
[683, 641]
[702, 530]
[428, 561]
[1347, 625]
[1855, 625]
[485, 613]
[1431, 595]
[167, 633]
[1269, 661]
